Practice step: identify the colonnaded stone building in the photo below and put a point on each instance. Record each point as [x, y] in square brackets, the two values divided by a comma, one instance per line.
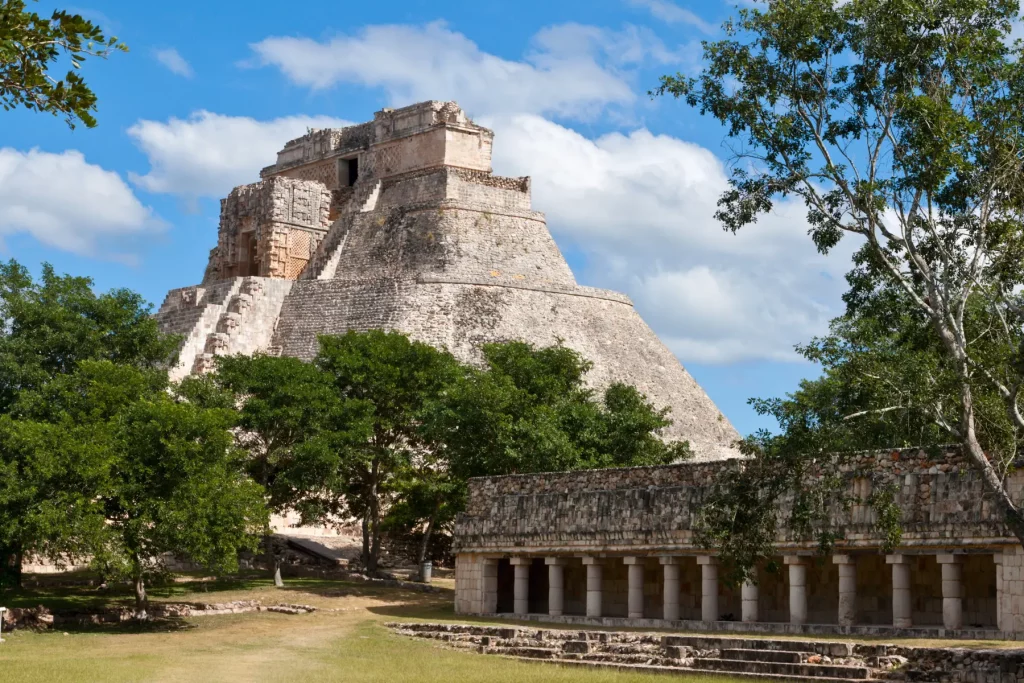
[399, 224]
[616, 547]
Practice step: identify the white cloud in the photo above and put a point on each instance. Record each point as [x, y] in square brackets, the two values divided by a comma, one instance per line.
[672, 13]
[65, 202]
[173, 61]
[208, 154]
[571, 70]
[641, 206]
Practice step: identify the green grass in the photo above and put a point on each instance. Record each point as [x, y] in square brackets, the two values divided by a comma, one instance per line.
[344, 641]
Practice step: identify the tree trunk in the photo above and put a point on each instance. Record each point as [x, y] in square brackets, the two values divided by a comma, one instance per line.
[425, 544]
[373, 557]
[1013, 517]
[141, 599]
[10, 566]
[272, 560]
[365, 557]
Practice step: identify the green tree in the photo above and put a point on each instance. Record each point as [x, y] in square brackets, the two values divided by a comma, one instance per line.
[884, 373]
[47, 328]
[900, 125]
[388, 381]
[30, 46]
[289, 416]
[530, 410]
[126, 471]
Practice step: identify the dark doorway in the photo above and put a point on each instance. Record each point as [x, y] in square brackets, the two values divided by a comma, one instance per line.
[353, 171]
[538, 596]
[250, 266]
[506, 587]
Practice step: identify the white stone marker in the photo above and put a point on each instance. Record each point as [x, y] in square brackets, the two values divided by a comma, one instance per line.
[708, 587]
[952, 591]
[670, 609]
[521, 594]
[748, 605]
[635, 604]
[797, 589]
[595, 575]
[900, 590]
[847, 565]
[556, 585]
[2, 611]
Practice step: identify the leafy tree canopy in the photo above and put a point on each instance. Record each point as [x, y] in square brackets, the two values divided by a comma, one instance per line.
[30, 47]
[529, 410]
[119, 468]
[899, 125]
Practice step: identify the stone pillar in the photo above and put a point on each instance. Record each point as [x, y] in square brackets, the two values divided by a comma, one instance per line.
[521, 595]
[797, 589]
[670, 610]
[594, 577]
[556, 585]
[1003, 622]
[900, 590]
[635, 605]
[847, 588]
[708, 587]
[490, 588]
[952, 591]
[749, 598]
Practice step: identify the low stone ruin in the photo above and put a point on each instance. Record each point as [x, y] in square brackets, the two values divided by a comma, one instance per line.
[768, 659]
[42, 618]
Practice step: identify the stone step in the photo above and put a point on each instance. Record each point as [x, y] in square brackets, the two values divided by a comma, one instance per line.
[696, 672]
[522, 652]
[764, 655]
[846, 673]
[821, 647]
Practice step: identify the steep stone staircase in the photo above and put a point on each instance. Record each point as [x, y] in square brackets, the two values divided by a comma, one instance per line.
[325, 261]
[195, 319]
[257, 300]
[761, 659]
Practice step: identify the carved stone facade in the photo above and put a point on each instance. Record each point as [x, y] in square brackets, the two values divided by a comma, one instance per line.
[624, 544]
[269, 229]
[399, 224]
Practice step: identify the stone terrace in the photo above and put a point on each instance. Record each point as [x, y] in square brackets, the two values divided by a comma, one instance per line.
[616, 547]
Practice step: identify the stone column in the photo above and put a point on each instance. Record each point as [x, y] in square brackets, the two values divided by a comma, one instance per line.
[521, 595]
[1003, 622]
[797, 589]
[900, 590]
[556, 585]
[594, 577]
[748, 605]
[670, 610]
[490, 589]
[708, 587]
[952, 591]
[635, 605]
[847, 588]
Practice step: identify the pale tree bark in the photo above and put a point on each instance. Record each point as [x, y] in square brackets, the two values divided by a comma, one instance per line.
[139, 583]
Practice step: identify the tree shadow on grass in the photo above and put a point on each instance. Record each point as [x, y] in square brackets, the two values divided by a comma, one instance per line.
[158, 625]
[345, 589]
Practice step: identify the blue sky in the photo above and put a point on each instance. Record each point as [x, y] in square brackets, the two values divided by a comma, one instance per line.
[210, 90]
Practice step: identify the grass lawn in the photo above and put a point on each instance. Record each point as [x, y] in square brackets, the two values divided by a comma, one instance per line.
[344, 641]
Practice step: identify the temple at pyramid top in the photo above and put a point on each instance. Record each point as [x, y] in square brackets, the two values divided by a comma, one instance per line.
[399, 224]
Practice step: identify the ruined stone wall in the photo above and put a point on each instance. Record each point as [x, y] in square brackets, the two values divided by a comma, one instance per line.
[638, 509]
[473, 189]
[285, 217]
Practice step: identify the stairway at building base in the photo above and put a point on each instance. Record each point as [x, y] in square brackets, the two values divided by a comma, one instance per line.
[748, 658]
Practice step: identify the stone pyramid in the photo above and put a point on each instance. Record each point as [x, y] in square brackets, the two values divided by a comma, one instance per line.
[399, 224]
